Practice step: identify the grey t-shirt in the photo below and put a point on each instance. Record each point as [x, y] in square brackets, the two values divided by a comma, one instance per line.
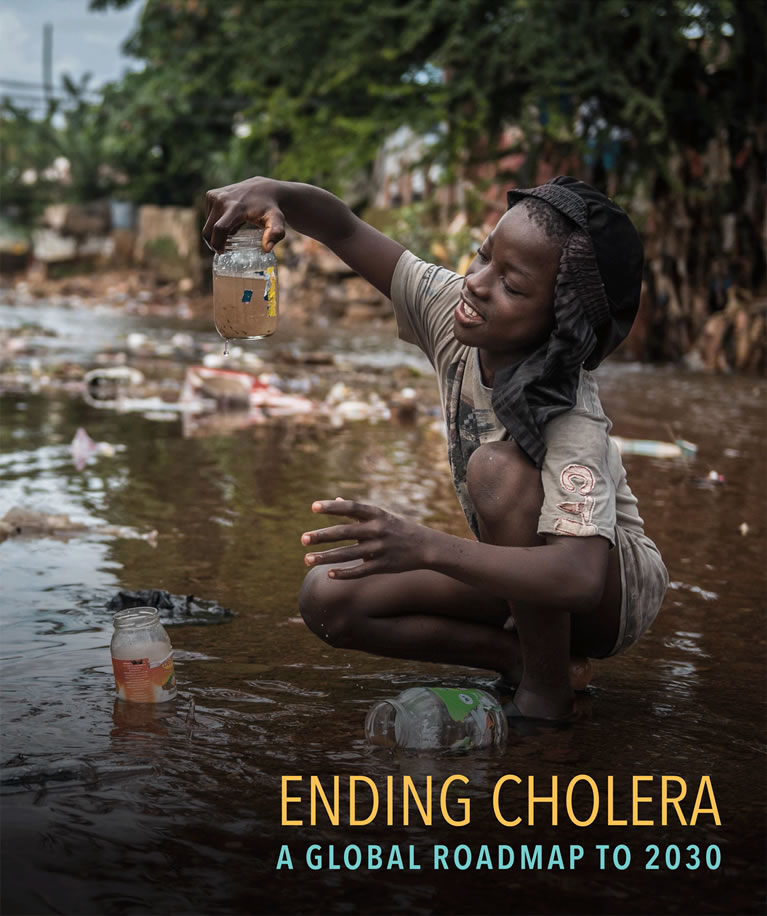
[584, 483]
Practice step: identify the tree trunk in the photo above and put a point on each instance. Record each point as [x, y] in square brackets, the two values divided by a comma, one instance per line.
[705, 243]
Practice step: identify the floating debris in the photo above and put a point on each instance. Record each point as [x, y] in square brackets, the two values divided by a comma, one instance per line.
[174, 608]
[695, 589]
[404, 405]
[108, 386]
[228, 389]
[19, 522]
[84, 448]
[346, 405]
[653, 448]
[220, 388]
[712, 479]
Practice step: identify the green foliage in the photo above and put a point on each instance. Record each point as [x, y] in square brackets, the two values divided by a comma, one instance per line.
[162, 255]
[308, 90]
[71, 129]
[25, 151]
[315, 87]
[421, 229]
[413, 225]
[167, 123]
[162, 247]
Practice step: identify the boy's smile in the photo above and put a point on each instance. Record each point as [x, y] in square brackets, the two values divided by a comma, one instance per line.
[466, 314]
[506, 308]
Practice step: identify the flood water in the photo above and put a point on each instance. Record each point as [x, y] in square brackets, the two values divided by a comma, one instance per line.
[112, 808]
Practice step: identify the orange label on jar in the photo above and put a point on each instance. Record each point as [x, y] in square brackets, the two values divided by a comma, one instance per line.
[140, 681]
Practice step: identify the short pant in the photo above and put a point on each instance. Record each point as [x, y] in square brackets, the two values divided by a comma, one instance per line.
[644, 580]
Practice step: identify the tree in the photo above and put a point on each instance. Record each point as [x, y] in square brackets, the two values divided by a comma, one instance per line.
[167, 123]
[659, 102]
[56, 158]
[315, 86]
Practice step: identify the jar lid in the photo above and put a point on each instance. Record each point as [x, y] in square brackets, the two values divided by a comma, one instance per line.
[247, 236]
[249, 231]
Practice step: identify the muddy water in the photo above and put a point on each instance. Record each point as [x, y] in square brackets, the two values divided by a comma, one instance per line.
[109, 808]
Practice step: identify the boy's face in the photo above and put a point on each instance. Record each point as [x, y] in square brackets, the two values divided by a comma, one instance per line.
[507, 301]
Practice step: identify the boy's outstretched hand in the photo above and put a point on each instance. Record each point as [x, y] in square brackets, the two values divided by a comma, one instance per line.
[310, 211]
[253, 200]
[386, 543]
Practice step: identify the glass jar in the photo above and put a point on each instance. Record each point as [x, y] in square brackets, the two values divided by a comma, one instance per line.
[142, 657]
[245, 303]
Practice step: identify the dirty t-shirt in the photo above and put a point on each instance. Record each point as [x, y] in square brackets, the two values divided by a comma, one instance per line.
[584, 483]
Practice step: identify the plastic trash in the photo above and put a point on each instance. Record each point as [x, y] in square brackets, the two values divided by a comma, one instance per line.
[712, 479]
[110, 384]
[652, 448]
[183, 343]
[175, 608]
[20, 522]
[228, 389]
[453, 718]
[225, 387]
[84, 448]
[138, 342]
[346, 406]
[338, 393]
[404, 405]
[154, 405]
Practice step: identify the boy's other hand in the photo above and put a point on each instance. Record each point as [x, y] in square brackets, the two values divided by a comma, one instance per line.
[385, 543]
[251, 201]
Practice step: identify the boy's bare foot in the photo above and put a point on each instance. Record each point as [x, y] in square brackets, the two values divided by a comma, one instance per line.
[580, 672]
[571, 710]
[530, 705]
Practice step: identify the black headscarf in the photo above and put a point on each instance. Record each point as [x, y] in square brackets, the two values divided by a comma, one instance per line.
[596, 297]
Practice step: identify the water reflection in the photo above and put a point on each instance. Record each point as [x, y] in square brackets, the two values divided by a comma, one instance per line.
[141, 720]
[112, 808]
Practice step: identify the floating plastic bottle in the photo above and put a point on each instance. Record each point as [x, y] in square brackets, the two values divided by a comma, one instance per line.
[454, 718]
[652, 448]
[142, 657]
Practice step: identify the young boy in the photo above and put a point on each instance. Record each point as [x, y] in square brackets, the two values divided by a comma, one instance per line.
[561, 565]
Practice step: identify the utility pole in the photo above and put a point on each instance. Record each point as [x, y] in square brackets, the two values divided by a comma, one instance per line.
[48, 61]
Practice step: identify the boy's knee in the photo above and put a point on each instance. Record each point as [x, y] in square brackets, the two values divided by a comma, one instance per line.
[502, 481]
[325, 606]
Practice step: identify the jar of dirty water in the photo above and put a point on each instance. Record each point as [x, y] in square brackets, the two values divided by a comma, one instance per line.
[142, 657]
[245, 303]
[457, 718]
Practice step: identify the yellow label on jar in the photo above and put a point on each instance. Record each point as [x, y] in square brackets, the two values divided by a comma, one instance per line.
[271, 293]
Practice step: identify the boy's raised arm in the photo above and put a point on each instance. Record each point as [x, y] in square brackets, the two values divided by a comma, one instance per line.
[311, 211]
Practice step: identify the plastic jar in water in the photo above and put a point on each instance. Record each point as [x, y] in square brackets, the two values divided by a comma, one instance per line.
[437, 717]
[245, 301]
[142, 657]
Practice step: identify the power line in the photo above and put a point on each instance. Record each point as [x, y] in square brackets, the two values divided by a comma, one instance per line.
[26, 101]
[39, 102]
[23, 84]
[40, 87]
[35, 96]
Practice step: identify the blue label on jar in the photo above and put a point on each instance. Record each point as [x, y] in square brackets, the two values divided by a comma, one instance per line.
[247, 295]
